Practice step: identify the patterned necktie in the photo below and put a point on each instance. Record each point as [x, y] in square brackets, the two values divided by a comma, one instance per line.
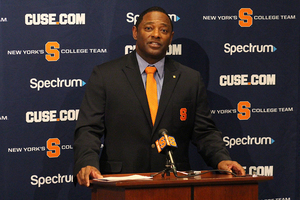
[151, 91]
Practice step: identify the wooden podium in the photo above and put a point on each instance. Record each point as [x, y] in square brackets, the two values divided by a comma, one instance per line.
[209, 186]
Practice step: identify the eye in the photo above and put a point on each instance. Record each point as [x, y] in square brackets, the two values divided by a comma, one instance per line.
[163, 30]
[148, 28]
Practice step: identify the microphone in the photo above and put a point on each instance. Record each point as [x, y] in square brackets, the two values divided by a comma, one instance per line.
[165, 144]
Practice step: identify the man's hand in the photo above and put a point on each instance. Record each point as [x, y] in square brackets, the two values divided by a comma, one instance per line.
[231, 166]
[84, 175]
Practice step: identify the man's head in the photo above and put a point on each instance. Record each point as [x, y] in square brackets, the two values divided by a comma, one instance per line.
[153, 33]
[155, 8]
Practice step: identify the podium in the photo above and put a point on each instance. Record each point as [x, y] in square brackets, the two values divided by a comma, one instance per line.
[209, 186]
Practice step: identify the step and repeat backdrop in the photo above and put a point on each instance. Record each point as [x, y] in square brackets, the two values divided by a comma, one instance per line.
[246, 51]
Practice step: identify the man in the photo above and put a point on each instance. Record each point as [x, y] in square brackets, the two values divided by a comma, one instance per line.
[115, 106]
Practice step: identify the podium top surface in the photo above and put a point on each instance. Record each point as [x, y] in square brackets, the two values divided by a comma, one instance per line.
[159, 181]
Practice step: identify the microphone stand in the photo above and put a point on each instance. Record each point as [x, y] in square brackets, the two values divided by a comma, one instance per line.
[170, 167]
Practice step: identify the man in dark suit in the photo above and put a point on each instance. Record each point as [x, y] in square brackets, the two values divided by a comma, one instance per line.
[115, 106]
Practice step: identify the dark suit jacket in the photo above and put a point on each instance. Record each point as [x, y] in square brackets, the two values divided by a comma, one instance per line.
[115, 105]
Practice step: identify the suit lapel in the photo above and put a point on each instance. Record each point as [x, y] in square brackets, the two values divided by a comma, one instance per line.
[171, 77]
[133, 75]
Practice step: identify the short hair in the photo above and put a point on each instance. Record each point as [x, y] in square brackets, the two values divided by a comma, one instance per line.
[154, 8]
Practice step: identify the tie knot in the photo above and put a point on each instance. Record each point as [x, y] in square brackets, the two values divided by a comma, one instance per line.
[150, 70]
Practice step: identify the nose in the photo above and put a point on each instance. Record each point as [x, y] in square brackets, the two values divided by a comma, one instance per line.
[156, 33]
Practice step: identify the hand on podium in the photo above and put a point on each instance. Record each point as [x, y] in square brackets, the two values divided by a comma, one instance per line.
[231, 166]
[84, 175]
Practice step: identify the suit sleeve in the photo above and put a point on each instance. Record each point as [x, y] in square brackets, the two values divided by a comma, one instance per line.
[90, 124]
[206, 136]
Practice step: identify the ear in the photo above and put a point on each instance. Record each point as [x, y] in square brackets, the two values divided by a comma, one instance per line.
[134, 32]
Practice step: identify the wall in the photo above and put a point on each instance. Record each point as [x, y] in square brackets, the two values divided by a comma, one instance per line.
[247, 52]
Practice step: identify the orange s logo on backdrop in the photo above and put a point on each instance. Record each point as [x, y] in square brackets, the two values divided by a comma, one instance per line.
[247, 18]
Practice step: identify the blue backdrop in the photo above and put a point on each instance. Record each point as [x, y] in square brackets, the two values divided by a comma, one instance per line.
[247, 52]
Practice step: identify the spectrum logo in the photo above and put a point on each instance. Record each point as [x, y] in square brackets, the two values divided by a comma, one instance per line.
[243, 79]
[174, 49]
[52, 19]
[53, 180]
[55, 83]
[132, 18]
[248, 48]
[230, 142]
[52, 116]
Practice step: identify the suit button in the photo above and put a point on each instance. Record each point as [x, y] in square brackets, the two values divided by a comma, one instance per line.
[153, 146]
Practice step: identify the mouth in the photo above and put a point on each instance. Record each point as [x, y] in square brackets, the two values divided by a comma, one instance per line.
[154, 44]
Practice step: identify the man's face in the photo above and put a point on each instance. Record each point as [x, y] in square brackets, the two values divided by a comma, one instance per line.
[153, 36]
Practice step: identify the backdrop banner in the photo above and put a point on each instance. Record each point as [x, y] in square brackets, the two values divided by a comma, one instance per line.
[247, 53]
